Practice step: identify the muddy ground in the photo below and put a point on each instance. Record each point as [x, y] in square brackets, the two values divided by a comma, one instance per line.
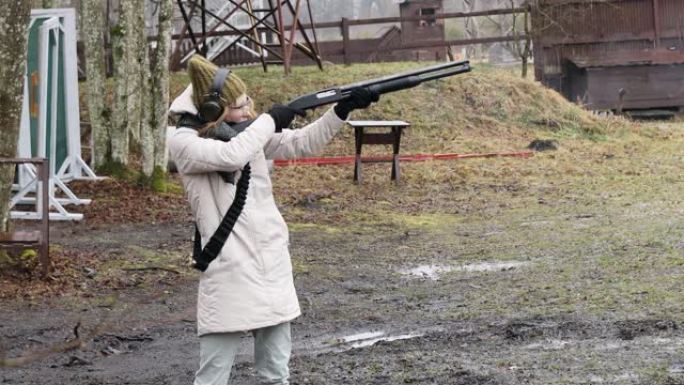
[565, 268]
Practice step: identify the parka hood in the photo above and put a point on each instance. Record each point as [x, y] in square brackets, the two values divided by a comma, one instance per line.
[183, 103]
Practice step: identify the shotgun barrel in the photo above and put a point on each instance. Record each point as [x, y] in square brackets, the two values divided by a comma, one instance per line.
[392, 83]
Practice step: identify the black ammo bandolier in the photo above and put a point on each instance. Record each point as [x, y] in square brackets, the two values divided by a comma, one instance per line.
[204, 256]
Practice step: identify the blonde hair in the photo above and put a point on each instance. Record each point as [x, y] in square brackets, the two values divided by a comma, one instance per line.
[206, 128]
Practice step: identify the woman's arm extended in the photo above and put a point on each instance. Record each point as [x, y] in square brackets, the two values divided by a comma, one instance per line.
[194, 154]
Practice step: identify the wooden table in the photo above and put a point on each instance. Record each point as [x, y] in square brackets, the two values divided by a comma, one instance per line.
[393, 137]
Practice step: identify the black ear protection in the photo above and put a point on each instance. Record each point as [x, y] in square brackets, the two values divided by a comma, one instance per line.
[212, 105]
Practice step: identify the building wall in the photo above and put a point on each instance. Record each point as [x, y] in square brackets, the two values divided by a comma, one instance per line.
[594, 30]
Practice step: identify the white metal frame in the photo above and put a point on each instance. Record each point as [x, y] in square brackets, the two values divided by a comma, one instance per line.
[74, 167]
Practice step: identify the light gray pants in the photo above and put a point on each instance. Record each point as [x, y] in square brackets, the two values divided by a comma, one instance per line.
[272, 347]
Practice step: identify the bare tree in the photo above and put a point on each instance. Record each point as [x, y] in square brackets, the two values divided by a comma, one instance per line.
[13, 41]
[153, 97]
[135, 51]
[472, 26]
[517, 26]
[141, 77]
[159, 92]
[146, 126]
[92, 29]
[122, 48]
[522, 48]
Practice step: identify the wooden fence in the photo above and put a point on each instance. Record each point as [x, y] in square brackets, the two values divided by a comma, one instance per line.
[354, 50]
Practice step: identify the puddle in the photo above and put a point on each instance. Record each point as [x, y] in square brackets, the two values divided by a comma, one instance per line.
[372, 341]
[626, 377]
[365, 339]
[359, 337]
[427, 271]
[434, 271]
[492, 266]
[679, 369]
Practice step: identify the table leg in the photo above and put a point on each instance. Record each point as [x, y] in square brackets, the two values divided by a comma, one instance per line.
[395, 153]
[358, 136]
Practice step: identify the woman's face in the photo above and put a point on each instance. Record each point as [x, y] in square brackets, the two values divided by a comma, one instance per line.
[239, 111]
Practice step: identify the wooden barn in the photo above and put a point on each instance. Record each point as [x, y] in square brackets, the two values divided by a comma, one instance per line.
[611, 54]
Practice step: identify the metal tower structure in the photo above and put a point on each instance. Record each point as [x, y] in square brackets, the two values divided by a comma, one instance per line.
[255, 28]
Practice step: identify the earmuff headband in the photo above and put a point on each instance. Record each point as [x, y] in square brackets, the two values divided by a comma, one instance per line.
[213, 104]
[219, 79]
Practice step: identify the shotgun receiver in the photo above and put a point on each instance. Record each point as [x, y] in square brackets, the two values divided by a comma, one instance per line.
[381, 85]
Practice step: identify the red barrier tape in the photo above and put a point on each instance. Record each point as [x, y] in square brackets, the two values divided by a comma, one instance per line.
[402, 158]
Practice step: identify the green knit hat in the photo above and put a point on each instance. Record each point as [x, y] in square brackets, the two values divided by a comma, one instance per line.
[201, 72]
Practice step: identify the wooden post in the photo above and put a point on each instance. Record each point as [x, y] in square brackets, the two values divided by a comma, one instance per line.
[345, 39]
[204, 48]
[293, 32]
[313, 31]
[281, 33]
[656, 23]
[253, 21]
[43, 177]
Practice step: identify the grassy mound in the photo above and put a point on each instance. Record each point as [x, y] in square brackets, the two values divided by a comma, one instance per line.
[487, 99]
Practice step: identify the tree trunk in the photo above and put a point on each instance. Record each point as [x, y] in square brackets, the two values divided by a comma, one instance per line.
[14, 21]
[92, 28]
[119, 132]
[527, 50]
[160, 84]
[146, 127]
[471, 28]
[135, 47]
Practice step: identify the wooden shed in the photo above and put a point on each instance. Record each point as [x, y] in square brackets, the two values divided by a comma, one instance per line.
[428, 29]
[611, 54]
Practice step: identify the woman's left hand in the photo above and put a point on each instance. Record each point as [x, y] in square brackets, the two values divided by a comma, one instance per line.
[284, 115]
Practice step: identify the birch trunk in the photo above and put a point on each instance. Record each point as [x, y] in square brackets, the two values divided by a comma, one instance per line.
[146, 127]
[13, 40]
[119, 132]
[92, 28]
[160, 84]
[134, 51]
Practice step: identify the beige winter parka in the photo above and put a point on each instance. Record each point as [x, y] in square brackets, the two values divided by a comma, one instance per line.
[249, 285]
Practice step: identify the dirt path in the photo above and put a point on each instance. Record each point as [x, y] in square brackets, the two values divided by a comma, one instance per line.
[365, 321]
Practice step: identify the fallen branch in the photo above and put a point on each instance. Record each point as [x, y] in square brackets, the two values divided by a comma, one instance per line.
[34, 355]
[104, 328]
